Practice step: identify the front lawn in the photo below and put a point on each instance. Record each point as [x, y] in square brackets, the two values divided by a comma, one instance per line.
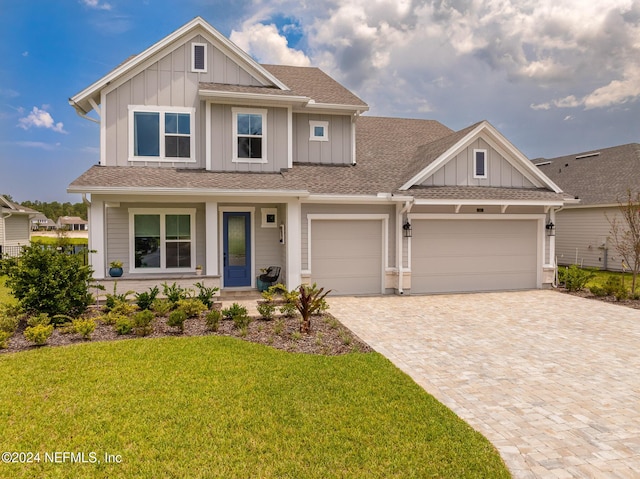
[221, 407]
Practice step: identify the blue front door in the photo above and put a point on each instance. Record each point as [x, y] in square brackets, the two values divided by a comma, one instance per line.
[236, 249]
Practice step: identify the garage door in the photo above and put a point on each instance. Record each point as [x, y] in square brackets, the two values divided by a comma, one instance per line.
[346, 256]
[475, 255]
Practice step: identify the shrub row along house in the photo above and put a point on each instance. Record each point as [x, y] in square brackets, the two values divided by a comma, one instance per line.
[211, 159]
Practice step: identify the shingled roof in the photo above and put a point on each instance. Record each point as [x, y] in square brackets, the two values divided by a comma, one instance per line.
[597, 177]
[384, 147]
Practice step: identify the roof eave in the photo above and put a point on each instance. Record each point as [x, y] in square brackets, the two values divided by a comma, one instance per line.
[251, 97]
[187, 191]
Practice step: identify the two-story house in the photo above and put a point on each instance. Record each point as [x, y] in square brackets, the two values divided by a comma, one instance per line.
[209, 158]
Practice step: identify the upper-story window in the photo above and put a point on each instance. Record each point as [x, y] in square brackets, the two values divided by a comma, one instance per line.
[249, 135]
[161, 134]
[479, 163]
[318, 130]
[199, 57]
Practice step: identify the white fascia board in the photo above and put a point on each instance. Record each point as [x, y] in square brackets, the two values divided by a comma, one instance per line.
[454, 202]
[336, 106]
[185, 191]
[252, 97]
[226, 45]
[442, 159]
[380, 198]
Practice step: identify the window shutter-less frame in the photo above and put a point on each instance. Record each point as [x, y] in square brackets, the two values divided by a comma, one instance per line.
[198, 57]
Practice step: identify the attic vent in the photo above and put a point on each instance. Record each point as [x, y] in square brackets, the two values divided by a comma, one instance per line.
[199, 57]
[588, 155]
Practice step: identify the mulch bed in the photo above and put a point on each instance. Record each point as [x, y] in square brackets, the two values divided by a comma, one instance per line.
[328, 336]
[629, 303]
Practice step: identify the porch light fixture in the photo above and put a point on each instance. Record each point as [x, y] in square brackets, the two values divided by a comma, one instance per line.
[406, 229]
[551, 229]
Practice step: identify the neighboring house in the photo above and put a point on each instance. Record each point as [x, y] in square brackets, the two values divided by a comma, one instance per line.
[72, 223]
[209, 158]
[600, 179]
[39, 222]
[14, 227]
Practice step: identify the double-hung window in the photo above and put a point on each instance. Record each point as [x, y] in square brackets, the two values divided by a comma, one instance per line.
[161, 134]
[480, 163]
[162, 240]
[249, 135]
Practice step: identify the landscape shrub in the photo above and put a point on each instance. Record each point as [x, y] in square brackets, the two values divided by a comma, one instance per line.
[574, 278]
[234, 310]
[266, 309]
[191, 307]
[206, 294]
[39, 319]
[49, 281]
[146, 299]
[141, 323]
[84, 327]
[175, 293]
[310, 301]
[122, 324]
[38, 334]
[114, 299]
[176, 319]
[242, 321]
[9, 324]
[212, 319]
[4, 339]
[161, 306]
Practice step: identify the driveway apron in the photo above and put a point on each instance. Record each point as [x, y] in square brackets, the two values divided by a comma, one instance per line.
[552, 380]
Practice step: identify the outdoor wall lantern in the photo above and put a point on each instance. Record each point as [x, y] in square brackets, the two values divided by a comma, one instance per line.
[406, 228]
[551, 229]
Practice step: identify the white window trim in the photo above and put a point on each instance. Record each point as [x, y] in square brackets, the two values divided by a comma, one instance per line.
[193, 57]
[161, 110]
[162, 212]
[253, 111]
[475, 161]
[312, 133]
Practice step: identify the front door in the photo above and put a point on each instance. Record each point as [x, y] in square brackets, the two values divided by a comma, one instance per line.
[236, 249]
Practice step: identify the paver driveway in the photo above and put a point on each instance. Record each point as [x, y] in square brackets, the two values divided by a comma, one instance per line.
[553, 381]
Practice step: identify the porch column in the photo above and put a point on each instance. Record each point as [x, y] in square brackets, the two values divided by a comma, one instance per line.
[211, 238]
[293, 244]
[95, 213]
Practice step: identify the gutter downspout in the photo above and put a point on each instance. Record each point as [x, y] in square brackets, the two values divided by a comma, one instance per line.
[407, 206]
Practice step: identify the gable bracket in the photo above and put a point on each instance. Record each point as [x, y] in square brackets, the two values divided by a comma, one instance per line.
[503, 209]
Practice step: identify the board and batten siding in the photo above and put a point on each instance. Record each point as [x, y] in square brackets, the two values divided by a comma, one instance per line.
[167, 82]
[459, 170]
[581, 234]
[222, 141]
[118, 235]
[348, 210]
[337, 150]
[269, 251]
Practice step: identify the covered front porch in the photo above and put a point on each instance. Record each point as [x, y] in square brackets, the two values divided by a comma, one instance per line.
[222, 242]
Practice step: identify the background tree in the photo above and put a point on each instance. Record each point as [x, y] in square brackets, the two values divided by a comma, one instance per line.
[625, 233]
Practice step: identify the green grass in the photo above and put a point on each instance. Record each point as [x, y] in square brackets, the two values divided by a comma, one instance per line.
[220, 407]
[54, 240]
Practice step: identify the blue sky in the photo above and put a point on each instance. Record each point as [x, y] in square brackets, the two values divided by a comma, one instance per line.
[554, 76]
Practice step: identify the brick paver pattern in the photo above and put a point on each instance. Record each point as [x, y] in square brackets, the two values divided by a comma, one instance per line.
[552, 380]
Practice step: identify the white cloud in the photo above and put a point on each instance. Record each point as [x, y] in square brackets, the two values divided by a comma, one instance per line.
[25, 54]
[40, 118]
[38, 144]
[266, 44]
[96, 4]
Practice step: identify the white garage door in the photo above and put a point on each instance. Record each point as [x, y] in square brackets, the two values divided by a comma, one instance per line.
[346, 256]
[475, 255]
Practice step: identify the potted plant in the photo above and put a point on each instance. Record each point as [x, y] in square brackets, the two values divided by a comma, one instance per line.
[199, 270]
[115, 269]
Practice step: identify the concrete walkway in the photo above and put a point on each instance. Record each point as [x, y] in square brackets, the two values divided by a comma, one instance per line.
[553, 381]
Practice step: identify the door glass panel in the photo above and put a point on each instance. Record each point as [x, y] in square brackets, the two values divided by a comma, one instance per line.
[237, 243]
